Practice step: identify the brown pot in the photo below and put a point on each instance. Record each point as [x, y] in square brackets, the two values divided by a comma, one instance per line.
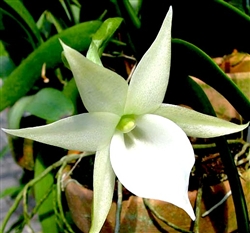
[136, 218]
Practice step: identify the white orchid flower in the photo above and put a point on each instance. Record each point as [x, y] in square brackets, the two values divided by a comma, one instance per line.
[135, 136]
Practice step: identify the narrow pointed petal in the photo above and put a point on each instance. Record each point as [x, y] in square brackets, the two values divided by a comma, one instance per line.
[150, 78]
[196, 124]
[104, 182]
[154, 161]
[101, 90]
[84, 132]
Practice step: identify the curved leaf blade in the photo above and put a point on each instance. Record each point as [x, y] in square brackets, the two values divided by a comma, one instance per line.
[102, 37]
[50, 104]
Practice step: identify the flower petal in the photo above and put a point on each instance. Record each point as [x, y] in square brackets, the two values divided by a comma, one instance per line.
[104, 182]
[101, 90]
[196, 124]
[154, 161]
[150, 78]
[84, 132]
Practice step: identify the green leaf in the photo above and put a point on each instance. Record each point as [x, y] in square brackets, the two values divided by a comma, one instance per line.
[93, 54]
[7, 66]
[70, 91]
[16, 112]
[6, 63]
[132, 8]
[101, 38]
[25, 75]
[50, 104]
[4, 151]
[46, 211]
[3, 51]
[11, 191]
[136, 5]
[75, 13]
[51, 18]
[64, 60]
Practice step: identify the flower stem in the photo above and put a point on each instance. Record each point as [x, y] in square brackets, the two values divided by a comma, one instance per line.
[59, 197]
[213, 145]
[198, 207]
[118, 208]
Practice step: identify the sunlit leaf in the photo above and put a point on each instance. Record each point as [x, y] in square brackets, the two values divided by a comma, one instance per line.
[102, 37]
[53, 20]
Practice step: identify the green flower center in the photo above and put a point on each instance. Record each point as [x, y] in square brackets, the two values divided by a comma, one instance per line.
[126, 124]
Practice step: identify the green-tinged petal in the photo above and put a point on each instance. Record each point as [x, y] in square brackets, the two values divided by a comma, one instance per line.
[154, 161]
[150, 78]
[104, 182]
[84, 132]
[101, 90]
[196, 124]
